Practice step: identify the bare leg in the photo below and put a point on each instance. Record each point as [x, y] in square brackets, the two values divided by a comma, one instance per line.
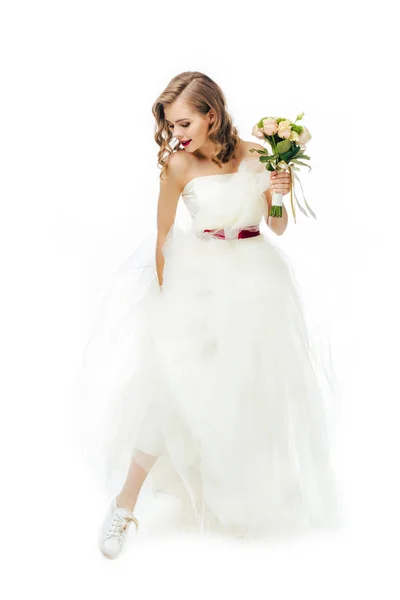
[135, 478]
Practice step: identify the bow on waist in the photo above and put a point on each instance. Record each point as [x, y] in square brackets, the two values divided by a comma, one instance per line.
[234, 233]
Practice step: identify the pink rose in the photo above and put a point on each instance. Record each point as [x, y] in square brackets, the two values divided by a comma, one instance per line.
[270, 126]
[257, 132]
[304, 137]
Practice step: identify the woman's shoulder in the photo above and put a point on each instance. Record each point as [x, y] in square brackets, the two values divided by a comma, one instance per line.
[177, 165]
[177, 159]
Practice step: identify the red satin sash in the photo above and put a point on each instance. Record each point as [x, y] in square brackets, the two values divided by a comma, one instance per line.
[246, 232]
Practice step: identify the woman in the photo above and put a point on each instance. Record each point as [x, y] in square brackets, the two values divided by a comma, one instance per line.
[210, 383]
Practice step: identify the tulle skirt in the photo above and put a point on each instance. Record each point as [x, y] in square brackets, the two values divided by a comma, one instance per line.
[213, 386]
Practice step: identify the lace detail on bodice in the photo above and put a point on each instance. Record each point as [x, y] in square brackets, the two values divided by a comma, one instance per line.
[224, 200]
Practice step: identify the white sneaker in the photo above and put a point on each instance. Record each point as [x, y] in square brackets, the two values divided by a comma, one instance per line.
[115, 529]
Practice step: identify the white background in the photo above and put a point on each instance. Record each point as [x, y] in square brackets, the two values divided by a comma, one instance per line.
[79, 187]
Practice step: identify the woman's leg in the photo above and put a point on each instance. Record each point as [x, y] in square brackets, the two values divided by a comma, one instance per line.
[139, 468]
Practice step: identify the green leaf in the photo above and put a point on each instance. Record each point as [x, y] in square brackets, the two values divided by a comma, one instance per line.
[283, 146]
[300, 116]
[260, 123]
[286, 156]
[302, 156]
[298, 162]
[264, 158]
[258, 151]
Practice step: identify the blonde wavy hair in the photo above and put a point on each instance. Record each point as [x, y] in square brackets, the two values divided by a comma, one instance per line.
[201, 94]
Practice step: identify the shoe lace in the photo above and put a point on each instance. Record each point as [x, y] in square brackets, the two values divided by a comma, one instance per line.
[119, 526]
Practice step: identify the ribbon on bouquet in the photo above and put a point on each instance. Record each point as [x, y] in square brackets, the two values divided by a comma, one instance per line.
[292, 188]
[276, 206]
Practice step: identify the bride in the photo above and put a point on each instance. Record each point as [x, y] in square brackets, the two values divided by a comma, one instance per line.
[207, 380]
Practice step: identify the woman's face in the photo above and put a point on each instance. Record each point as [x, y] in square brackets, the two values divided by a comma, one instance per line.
[188, 125]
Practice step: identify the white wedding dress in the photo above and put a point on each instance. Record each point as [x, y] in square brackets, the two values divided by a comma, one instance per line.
[215, 374]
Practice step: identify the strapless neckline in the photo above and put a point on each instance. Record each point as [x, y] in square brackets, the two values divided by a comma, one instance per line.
[217, 174]
[203, 176]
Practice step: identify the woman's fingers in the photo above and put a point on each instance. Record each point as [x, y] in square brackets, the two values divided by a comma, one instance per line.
[280, 182]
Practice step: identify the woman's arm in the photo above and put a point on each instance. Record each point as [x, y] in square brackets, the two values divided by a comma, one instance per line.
[170, 191]
[280, 181]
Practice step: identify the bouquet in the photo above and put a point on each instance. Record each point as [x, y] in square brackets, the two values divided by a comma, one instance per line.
[287, 141]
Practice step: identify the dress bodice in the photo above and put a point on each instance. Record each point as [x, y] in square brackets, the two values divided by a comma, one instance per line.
[228, 200]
